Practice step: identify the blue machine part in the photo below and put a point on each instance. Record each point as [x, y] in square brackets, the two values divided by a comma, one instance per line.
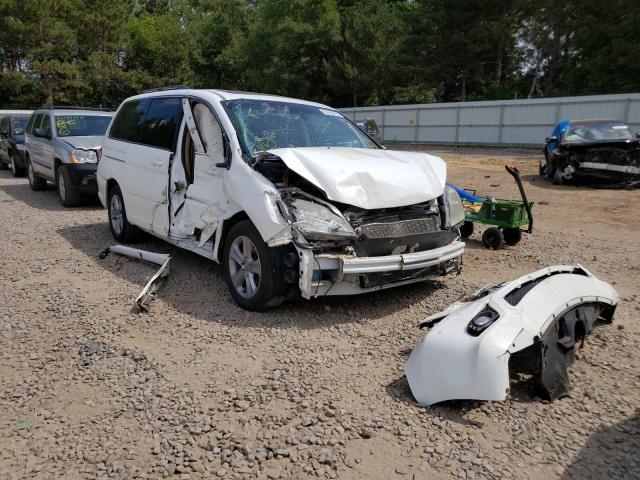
[557, 132]
[464, 195]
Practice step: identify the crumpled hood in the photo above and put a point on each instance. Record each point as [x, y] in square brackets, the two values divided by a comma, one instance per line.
[368, 178]
[93, 142]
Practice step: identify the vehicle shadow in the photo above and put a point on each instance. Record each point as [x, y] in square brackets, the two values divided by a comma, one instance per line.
[197, 287]
[611, 452]
[45, 199]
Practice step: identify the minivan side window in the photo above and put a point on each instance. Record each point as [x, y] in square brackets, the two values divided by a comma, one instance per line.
[161, 123]
[126, 125]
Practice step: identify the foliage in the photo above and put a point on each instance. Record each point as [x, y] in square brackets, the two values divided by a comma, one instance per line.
[341, 52]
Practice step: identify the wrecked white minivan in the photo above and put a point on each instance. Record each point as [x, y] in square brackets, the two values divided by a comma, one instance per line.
[290, 196]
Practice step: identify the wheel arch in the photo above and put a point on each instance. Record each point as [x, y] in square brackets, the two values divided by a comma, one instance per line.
[226, 226]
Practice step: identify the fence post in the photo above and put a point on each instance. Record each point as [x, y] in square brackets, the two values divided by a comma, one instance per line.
[415, 135]
[384, 111]
[558, 112]
[457, 123]
[627, 105]
[501, 123]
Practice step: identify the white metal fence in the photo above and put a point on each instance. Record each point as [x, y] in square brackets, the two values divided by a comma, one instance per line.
[502, 122]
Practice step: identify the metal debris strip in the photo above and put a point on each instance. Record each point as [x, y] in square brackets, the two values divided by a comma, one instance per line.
[157, 283]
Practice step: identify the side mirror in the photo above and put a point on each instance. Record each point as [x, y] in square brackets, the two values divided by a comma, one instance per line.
[40, 132]
[551, 139]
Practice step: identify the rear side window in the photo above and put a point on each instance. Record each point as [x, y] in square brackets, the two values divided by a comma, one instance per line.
[126, 125]
[161, 123]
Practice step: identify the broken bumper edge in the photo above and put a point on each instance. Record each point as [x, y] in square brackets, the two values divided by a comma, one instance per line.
[327, 274]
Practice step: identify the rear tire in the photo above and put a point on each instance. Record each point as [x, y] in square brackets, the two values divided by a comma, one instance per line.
[16, 170]
[251, 268]
[558, 179]
[69, 196]
[121, 229]
[466, 230]
[35, 182]
[512, 236]
[492, 238]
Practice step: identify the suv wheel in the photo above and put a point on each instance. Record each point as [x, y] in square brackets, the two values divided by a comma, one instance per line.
[16, 171]
[250, 267]
[69, 196]
[35, 182]
[120, 227]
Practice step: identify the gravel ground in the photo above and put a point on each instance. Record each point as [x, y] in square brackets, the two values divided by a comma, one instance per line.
[199, 388]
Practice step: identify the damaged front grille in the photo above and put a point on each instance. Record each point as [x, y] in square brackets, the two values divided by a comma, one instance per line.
[400, 228]
[400, 233]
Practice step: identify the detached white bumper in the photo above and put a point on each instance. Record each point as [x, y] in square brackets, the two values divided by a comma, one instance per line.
[344, 271]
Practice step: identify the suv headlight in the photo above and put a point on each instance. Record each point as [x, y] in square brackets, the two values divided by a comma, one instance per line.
[318, 222]
[453, 206]
[80, 155]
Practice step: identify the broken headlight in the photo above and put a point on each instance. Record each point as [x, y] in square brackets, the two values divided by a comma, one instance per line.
[453, 206]
[482, 321]
[317, 222]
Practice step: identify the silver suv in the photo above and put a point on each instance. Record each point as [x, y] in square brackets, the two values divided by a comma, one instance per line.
[63, 146]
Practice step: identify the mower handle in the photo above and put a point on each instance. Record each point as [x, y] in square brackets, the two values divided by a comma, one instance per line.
[515, 173]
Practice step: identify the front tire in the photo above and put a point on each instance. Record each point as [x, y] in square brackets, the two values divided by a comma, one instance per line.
[492, 238]
[35, 182]
[16, 170]
[69, 196]
[466, 230]
[251, 268]
[121, 229]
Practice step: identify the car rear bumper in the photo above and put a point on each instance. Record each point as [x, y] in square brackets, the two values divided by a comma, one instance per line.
[83, 177]
[329, 274]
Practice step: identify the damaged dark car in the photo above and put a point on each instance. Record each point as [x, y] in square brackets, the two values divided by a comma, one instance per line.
[600, 152]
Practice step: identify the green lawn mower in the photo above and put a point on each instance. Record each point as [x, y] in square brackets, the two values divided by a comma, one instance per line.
[506, 217]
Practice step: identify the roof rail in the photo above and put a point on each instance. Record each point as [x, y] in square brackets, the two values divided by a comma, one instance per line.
[71, 107]
[167, 87]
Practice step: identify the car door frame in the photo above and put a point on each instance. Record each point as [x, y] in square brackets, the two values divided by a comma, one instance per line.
[211, 212]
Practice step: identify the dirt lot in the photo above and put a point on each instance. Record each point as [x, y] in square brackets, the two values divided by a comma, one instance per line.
[199, 388]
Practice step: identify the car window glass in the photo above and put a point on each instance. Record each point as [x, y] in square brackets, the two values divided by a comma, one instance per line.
[46, 124]
[37, 122]
[19, 125]
[161, 123]
[4, 126]
[266, 124]
[81, 125]
[126, 125]
[31, 122]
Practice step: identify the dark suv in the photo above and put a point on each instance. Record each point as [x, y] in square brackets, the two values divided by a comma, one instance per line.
[12, 127]
[63, 146]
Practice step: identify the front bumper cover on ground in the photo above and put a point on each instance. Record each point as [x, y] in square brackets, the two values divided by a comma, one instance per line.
[541, 315]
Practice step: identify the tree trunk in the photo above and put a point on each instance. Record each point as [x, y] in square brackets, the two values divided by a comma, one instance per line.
[463, 90]
[535, 80]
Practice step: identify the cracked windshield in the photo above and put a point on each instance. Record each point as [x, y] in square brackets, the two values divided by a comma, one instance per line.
[264, 125]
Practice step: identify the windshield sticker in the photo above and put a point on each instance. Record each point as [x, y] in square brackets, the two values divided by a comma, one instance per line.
[330, 112]
[64, 125]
